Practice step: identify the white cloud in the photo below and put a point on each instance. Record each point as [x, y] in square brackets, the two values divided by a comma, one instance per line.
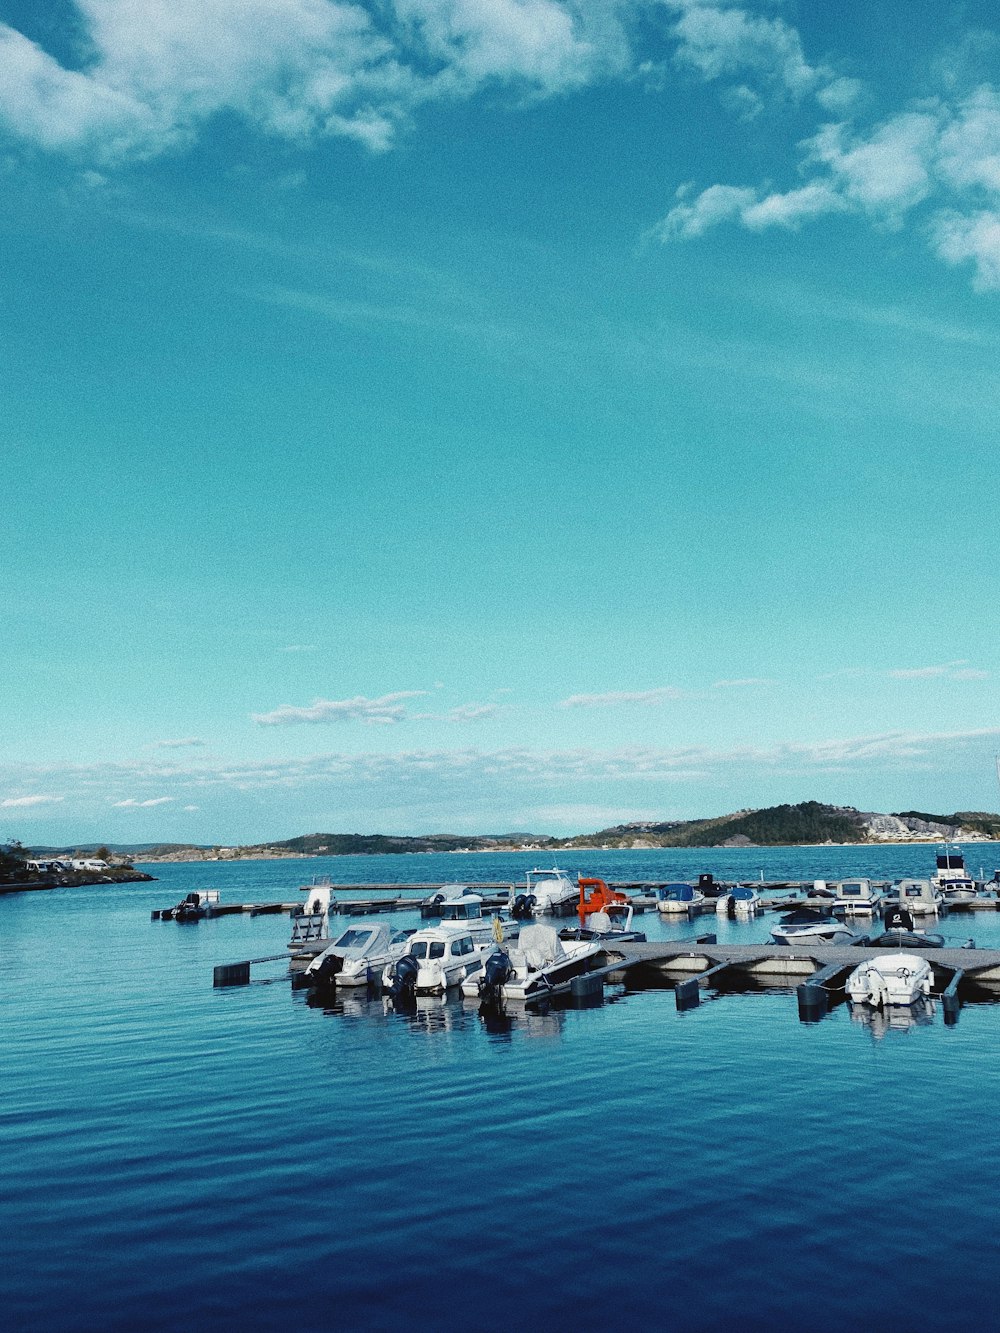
[132, 804]
[156, 70]
[191, 808]
[942, 154]
[958, 239]
[184, 743]
[26, 802]
[721, 40]
[388, 708]
[611, 699]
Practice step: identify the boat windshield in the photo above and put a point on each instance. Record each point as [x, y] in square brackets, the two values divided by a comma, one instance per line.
[418, 949]
[354, 939]
[851, 890]
[436, 949]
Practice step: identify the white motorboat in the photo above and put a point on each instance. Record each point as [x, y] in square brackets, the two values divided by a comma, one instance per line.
[467, 911]
[357, 956]
[807, 926]
[891, 979]
[957, 891]
[856, 897]
[529, 971]
[545, 891]
[919, 897]
[310, 923]
[742, 902]
[432, 904]
[604, 913]
[950, 866]
[435, 959]
[678, 899]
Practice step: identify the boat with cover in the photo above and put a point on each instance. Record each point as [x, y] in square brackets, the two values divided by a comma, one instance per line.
[807, 926]
[678, 899]
[545, 891]
[743, 901]
[856, 897]
[435, 959]
[890, 979]
[357, 956]
[529, 970]
[919, 897]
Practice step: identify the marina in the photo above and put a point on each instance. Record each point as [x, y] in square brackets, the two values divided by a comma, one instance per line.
[188, 1147]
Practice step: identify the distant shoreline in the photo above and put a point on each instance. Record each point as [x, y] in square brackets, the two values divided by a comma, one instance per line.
[546, 852]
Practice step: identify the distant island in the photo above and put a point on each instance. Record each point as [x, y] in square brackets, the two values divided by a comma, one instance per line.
[807, 823]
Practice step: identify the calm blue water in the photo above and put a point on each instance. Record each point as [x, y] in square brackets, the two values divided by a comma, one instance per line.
[179, 1157]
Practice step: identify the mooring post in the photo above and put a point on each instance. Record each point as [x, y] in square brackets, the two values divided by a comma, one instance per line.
[586, 984]
[687, 994]
[951, 1002]
[813, 1001]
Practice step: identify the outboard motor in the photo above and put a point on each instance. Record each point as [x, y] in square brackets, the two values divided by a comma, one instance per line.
[404, 978]
[496, 971]
[523, 906]
[898, 918]
[707, 884]
[326, 973]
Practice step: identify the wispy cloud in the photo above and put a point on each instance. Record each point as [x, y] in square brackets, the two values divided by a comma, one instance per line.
[461, 713]
[613, 698]
[743, 682]
[132, 804]
[186, 742]
[945, 671]
[388, 708]
[26, 802]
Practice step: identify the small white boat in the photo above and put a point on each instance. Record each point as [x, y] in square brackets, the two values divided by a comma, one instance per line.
[545, 891]
[357, 956]
[435, 959]
[310, 924]
[807, 926]
[891, 979]
[742, 902]
[678, 899]
[467, 911]
[540, 961]
[959, 891]
[856, 897]
[920, 897]
[604, 914]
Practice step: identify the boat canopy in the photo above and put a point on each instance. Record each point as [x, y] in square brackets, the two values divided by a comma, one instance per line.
[359, 941]
[540, 946]
[743, 893]
[676, 893]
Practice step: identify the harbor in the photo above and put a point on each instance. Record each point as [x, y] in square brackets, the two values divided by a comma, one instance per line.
[307, 1126]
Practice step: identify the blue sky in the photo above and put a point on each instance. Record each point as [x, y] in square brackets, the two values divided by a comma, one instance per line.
[454, 415]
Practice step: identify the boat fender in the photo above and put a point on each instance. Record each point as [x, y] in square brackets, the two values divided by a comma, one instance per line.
[523, 906]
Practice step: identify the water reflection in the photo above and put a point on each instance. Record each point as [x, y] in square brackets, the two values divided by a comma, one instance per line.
[894, 1018]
